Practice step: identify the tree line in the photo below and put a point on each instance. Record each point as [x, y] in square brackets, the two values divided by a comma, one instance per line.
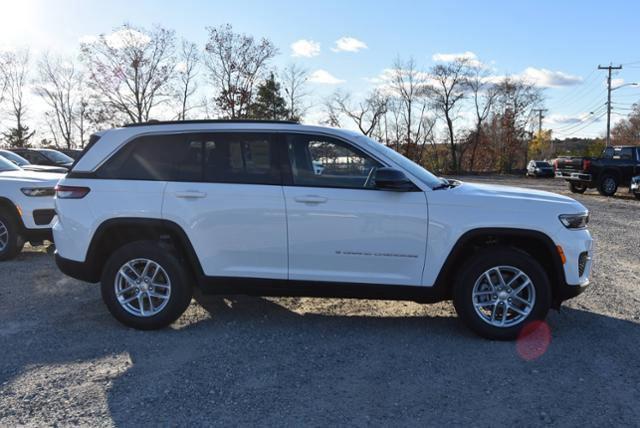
[455, 116]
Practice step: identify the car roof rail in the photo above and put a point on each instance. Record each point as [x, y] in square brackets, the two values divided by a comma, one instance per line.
[202, 121]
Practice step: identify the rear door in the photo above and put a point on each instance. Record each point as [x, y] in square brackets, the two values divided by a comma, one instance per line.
[340, 227]
[234, 212]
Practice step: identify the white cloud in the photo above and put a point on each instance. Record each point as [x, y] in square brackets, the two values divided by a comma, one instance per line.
[616, 82]
[549, 79]
[305, 48]
[349, 44]
[469, 56]
[120, 39]
[324, 77]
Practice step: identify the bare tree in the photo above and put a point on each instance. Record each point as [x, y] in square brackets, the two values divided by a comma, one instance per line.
[448, 88]
[131, 69]
[366, 114]
[409, 87]
[514, 100]
[236, 62]
[16, 74]
[293, 80]
[59, 85]
[187, 74]
[484, 94]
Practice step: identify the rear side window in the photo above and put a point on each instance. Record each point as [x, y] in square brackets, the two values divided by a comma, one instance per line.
[241, 158]
[156, 158]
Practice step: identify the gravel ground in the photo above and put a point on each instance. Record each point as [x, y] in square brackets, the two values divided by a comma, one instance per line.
[258, 361]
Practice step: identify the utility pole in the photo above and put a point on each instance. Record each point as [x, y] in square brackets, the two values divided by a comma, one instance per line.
[540, 112]
[609, 68]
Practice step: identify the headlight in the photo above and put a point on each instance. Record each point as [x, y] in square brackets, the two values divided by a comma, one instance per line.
[574, 221]
[38, 191]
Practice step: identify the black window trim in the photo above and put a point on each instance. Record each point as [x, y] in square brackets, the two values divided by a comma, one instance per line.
[279, 136]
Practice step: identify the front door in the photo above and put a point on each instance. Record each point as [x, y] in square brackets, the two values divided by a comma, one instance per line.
[340, 227]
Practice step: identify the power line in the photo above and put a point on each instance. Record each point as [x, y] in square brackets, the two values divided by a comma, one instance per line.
[585, 125]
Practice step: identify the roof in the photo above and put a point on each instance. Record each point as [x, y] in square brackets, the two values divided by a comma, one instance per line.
[203, 121]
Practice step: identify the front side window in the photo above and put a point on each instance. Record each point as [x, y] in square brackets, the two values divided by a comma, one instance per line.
[319, 161]
[156, 158]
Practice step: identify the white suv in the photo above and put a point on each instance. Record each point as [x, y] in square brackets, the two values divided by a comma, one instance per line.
[282, 209]
[26, 207]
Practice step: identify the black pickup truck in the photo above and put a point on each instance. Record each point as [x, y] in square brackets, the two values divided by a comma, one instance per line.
[615, 167]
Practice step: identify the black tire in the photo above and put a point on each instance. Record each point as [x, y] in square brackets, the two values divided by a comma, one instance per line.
[608, 185]
[637, 195]
[577, 187]
[181, 284]
[482, 262]
[10, 225]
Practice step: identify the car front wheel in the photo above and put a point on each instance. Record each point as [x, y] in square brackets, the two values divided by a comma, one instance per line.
[608, 185]
[11, 242]
[500, 291]
[145, 286]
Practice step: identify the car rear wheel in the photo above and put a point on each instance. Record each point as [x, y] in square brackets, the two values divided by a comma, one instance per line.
[608, 185]
[500, 291]
[145, 285]
[11, 242]
[577, 187]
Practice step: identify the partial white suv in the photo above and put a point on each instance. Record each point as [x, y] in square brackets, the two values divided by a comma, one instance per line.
[26, 207]
[282, 209]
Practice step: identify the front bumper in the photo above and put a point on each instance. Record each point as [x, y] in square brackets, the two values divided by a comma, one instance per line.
[78, 270]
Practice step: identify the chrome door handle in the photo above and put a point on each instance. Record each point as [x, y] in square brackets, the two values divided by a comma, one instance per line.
[190, 194]
[310, 199]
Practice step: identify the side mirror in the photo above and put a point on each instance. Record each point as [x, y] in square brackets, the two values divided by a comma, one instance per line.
[393, 179]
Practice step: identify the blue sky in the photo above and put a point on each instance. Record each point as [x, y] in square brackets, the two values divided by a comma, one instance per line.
[557, 43]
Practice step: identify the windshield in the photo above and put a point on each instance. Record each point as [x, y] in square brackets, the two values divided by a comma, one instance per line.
[6, 165]
[56, 156]
[17, 159]
[411, 167]
[542, 164]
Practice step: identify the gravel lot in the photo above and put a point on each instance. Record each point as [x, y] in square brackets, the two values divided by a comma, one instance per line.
[257, 361]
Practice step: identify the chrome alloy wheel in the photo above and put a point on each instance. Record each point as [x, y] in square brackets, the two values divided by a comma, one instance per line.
[142, 287]
[4, 236]
[503, 296]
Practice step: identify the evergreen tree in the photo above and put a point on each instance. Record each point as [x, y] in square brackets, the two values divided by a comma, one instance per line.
[269, 103]
[18, 137]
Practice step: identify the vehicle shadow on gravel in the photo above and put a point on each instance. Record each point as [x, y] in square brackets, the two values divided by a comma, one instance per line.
[255, 362]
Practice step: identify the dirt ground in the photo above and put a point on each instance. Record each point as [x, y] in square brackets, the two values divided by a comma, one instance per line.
[257, 361]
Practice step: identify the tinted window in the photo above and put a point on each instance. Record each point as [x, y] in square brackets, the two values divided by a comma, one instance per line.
[17, 159]
[57, 156]
[157, 157]
[626, 153]
[327, 162]
[542, 164]
[241, 158]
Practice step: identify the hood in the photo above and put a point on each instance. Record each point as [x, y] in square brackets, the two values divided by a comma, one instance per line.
[46, 179]
[518, 198]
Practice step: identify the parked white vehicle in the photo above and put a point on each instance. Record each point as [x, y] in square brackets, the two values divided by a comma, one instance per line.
[239, 208]
[26, 207]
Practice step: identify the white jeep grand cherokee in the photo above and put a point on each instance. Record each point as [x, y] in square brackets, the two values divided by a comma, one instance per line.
[282, 209]
[26, 207]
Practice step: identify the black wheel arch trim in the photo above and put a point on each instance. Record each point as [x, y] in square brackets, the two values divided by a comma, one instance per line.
[447, 272]
[92, 271]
